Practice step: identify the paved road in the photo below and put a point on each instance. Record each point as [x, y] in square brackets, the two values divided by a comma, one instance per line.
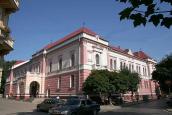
[11, 107]
[151, 108]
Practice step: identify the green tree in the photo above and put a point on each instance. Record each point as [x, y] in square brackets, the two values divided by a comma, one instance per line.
[6, 65]
[96, 83]
[130, 81]
[163, 73]
[106, 83]
[144, 11]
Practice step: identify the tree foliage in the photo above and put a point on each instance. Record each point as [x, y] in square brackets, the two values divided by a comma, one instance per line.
[106, 82]
[163, 73]
[130, 79]
[6, 66]
[144, 11]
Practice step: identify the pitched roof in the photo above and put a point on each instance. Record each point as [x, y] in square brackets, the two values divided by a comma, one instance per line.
[69, 36]
[118, 49]
[18, 62]
[141, 54]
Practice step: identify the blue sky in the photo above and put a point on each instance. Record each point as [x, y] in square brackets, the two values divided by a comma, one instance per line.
[38, 23]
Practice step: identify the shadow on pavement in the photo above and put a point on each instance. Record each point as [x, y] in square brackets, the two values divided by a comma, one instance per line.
[29, 113]
[121, 113]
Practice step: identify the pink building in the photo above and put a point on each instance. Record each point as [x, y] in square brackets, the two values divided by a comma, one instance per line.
[60, 68]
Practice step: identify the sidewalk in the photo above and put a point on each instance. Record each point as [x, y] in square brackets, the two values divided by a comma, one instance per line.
[106, 108]
[169, 110]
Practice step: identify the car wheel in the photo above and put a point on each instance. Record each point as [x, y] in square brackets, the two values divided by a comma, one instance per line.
[38, 108]
[95, 112]
[73, 114]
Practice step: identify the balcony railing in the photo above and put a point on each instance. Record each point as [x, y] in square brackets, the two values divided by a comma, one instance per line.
[33, 74]
[63, 70]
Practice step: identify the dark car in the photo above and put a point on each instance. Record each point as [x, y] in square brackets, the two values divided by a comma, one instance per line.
[49, 103]
[169, 101]
[76, 107]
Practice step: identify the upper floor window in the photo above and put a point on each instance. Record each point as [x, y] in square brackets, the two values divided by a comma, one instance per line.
[72, 59]
[145, 71]
[139, 70]
[120, 65]
[132, 67]
[72, 81]
[124, 66]
[1, 13]
[111, 64]
[50, 66]
[97, 59]
[114, 65]
[60, 63]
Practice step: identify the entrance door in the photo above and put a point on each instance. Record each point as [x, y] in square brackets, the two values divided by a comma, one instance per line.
[34, 89]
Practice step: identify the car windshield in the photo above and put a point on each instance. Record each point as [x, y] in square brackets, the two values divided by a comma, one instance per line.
[73, 102]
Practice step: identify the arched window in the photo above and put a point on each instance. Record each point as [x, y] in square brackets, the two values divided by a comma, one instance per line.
[97, 59]
[111, 61]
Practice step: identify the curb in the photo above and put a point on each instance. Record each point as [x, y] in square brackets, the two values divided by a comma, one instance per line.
[169, 110]
[137, 103]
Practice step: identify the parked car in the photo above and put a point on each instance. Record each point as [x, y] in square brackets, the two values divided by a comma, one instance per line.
[76, 107]
[49, 103]
[169, 101]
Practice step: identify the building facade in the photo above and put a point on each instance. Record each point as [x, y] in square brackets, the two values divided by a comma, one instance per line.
[60, 68]
[7, 7]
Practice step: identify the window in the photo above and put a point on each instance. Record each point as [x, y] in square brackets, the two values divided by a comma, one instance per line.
[139, 69]
[50, 66]
[132, 67]
[89, 102]
[111, 64]
[58, 82]
[72, 59]
[72, 81]
[97, 59]
[60, 63]
[146, 83]
[114, 65]
[0, 13]
[120, 65]
[124, 66]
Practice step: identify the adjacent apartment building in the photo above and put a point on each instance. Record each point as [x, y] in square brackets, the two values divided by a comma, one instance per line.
[7, 7]
[60, 68]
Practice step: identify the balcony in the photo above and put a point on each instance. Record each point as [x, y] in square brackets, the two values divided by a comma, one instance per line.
[6, 42]
[10, 5]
